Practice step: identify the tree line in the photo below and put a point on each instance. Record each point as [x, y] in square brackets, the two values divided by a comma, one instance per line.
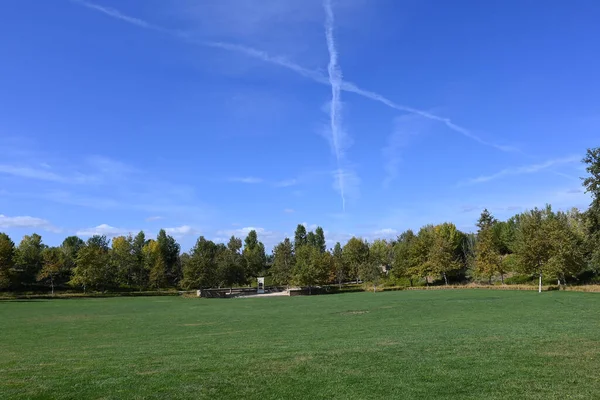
[558, 245]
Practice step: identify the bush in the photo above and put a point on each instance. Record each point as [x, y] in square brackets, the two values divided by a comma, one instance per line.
[519, 280]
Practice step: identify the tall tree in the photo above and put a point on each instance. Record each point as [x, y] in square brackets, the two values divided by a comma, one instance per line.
[300, 236]
[70, 248]
[312, 266]
[94, 269]
[339, 268]
[380, 252]
[254, 255]
[488, 260]
[355, 255]
[123, 258]
[403, 258]
[592, 186]
[283, 262]
[139, 273]
[169, 250]
[7, 252]
[420, 253]
[320, 242]
[444, 256]
[230, 268]
[486, 220]
[200, 270]
[28, 258]
[53, 263]
[155, 264]
[533, 247]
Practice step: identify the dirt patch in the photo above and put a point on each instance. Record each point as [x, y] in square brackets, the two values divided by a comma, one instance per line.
[355, 312]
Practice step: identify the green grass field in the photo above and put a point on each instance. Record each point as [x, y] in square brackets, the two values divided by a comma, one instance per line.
[454, 344]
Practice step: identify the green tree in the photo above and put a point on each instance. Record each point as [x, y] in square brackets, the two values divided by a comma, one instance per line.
[283, 263]
[28, 258]
[53, 263]
[230, 263]
[123, 258]
[404, 261]
[320, 242]
[254, 255]
[312, 266]
[488, 260]
[155, 264]
[380, 252]
[420, 253]
[592, 216]
[567, 255]
[70, 248]
[444, 256]
[93, 269]
[339, 268]
[7, 252]
[200, 269]
[139, 274]
[533, 247]
[486, 220]
[355, 255]
[311, 239]
[300, 237]
[169, 250]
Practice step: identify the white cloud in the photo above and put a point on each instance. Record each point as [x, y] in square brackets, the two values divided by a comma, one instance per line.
[154, 218]
[103, 230]
[286, 183]
[26, 222]
[528, 169]
[385, 233]
[247, 179]
[184, 230]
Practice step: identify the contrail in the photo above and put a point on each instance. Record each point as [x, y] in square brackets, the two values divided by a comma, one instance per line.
[335, 80]
[316, 76]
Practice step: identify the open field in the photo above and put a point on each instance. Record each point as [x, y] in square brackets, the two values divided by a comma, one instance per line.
[449, 344]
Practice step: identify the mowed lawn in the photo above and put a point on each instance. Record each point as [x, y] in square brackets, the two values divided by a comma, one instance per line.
[455, 344]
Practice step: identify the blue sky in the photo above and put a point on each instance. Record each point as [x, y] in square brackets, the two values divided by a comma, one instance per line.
[215, 117]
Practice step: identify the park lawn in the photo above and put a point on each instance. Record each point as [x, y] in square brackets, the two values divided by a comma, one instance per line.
[443, 344]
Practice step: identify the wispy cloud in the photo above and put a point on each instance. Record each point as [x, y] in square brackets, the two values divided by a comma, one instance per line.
[7, 222]
[289, 211]
[528, 169]
[114, 13]
[286, 183]
[103, 230]
[308, 73]
[405, 127]
[246, 179]
[154, 218]
[184, 230]
[335, 80]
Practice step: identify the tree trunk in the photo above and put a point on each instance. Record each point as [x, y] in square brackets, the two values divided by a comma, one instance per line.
[502, 278]
[309, 290]
[490, 280]
[445, 279]
[374, 288]
[411, 282]
[52, 285]
[540, 284]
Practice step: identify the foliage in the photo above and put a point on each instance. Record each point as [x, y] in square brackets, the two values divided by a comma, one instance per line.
[254, 255]
[7, 251]
[355, 254]
[283, 263]
[28, 257]
[53, 263]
